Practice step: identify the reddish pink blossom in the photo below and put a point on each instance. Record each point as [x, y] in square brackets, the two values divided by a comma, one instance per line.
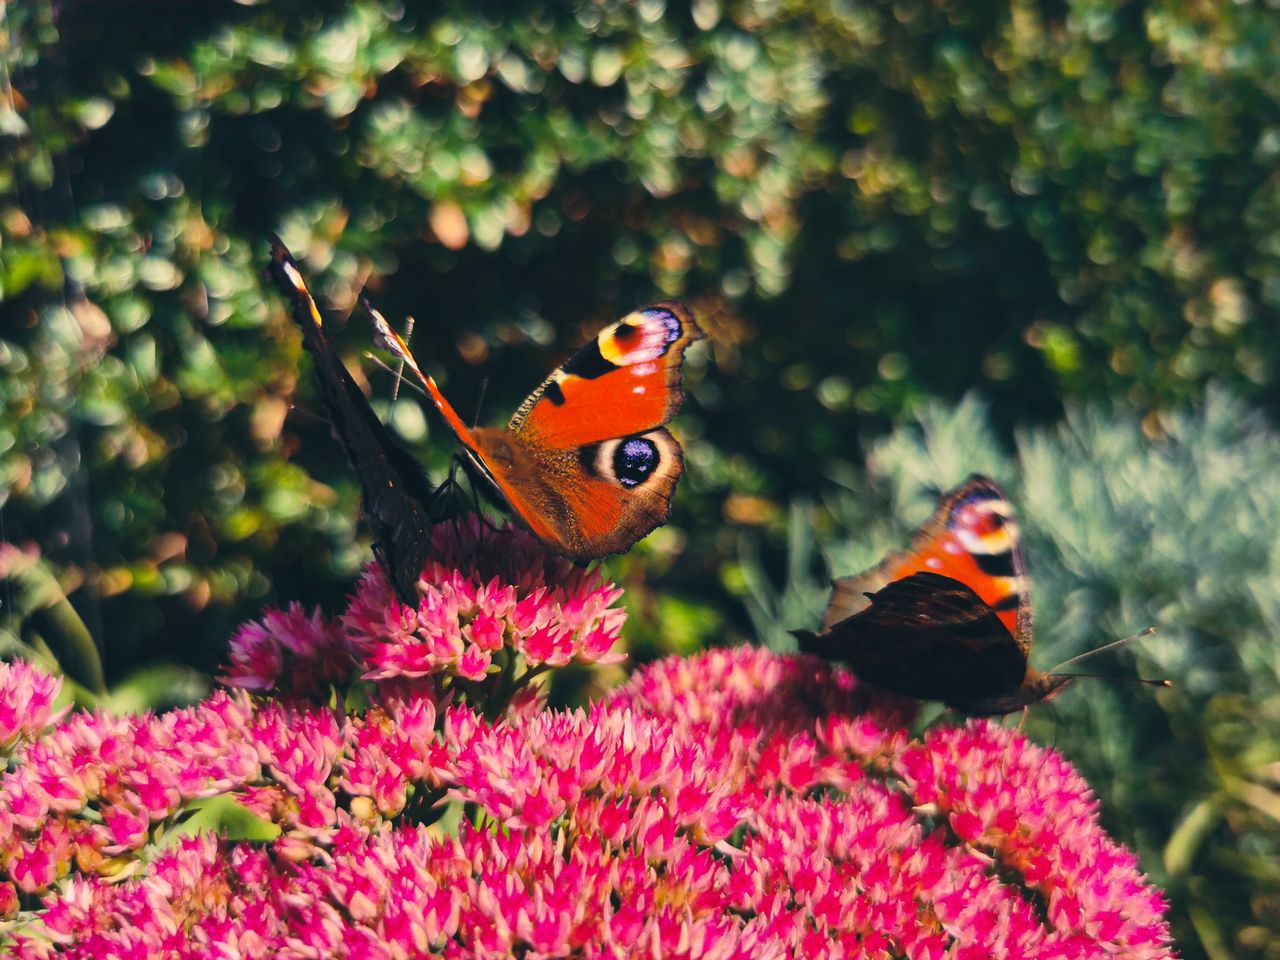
[495, 609]
[485, 591]
[27, 695]
[95, 785]
[732, 804]
[96, 791]
[291, 653]
[1027, 807]
[394, 747]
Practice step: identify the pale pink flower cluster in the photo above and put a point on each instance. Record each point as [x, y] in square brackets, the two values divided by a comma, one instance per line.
[734, 804]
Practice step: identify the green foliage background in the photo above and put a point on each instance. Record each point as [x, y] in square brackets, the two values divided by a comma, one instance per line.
[876, 208]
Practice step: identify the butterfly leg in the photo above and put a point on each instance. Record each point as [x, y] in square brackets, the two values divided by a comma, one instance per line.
[445, 504]
[477, 505]
[448, 488]
[456, 515]
[1026, 711]
[477, 510]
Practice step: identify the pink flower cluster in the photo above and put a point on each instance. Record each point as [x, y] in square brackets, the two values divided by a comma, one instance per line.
[290, 653]
[94, 793]
[26, 703]
[489, 598]
[609, 832]
[734, 804]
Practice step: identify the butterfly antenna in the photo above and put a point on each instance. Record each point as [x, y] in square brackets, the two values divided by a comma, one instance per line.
[1104, 648]
[1056, 671]
[409, 324]
[1145, 681]
[397, 374]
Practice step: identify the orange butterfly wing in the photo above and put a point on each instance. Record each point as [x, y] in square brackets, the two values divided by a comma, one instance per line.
[624, 382]
[973, 538]
[584, 462]
[623, 491]
[589, 502]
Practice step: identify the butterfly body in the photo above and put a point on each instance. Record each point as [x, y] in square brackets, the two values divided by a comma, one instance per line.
[585, 463]
[947, 619]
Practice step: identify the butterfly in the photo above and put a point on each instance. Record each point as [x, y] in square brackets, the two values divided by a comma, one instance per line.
[947, 619]
[585, 463]
[397, 499]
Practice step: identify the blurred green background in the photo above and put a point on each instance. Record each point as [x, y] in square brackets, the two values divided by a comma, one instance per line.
[1037, 240]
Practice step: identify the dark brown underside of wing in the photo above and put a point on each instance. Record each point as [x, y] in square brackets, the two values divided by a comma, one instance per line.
[929, 637]
[396, 494]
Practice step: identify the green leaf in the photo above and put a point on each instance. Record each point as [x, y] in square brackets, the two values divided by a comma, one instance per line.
[223, 815]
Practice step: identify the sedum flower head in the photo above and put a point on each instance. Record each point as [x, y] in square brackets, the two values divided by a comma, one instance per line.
[27, 696]
[494, 606]
[486, 592]
[732, 804]
[290, 653]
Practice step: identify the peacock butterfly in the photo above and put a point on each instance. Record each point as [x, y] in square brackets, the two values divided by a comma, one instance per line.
[397, 499]
[585, 462]
[947, 619]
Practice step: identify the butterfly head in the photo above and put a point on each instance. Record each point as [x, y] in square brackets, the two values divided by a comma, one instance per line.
[1036, 688]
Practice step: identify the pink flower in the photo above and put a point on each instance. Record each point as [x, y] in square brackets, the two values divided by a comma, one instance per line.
[732, 804]
[1025, 806]
[290, 653]
[485, 590]
[26, 702]
[393, 748]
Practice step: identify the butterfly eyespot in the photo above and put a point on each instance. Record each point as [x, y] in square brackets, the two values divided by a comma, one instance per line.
[671, 327]
[634, 460]
[989, 523]
[628, 462]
